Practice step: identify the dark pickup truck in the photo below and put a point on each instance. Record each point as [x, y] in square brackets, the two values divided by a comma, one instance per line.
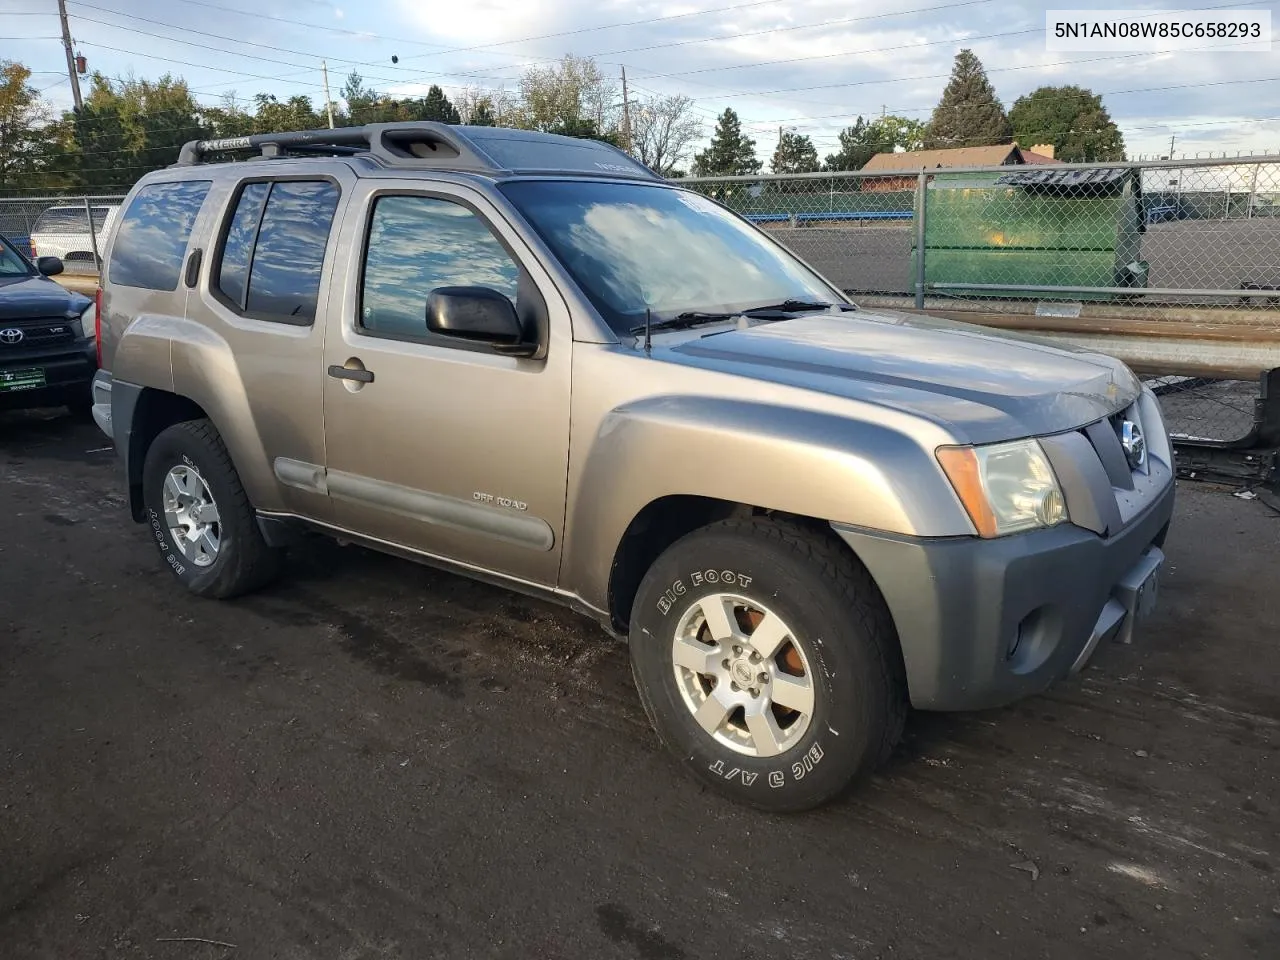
[48, 336]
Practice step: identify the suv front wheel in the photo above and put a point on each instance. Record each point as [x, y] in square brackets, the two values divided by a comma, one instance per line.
[199, 516]
[767, 661]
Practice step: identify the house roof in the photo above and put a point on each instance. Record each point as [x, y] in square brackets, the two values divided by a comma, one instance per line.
[913, 160]
[1037, 158]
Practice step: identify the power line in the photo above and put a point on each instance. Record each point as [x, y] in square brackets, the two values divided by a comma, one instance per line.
[482, 73]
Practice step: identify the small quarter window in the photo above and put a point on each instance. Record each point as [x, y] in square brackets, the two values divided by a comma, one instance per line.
[151, 241]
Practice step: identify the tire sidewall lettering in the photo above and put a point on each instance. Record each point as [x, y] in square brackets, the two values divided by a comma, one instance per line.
[744, 775]
[709, 577]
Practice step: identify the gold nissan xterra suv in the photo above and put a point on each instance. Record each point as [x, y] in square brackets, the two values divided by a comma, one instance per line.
[527, 359]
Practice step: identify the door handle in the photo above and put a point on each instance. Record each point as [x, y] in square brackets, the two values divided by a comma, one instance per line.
[339, 372]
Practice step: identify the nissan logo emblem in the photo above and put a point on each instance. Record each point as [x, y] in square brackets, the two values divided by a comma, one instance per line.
[1134, 443]
[10, 335]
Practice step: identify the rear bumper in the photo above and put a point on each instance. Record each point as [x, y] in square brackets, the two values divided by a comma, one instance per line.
[983, 623]
[67, 369]
[102, 402]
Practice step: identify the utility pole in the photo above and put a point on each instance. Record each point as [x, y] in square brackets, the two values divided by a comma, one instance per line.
[328, 102]
[71, 57]
[626, 113]
[1171, 140]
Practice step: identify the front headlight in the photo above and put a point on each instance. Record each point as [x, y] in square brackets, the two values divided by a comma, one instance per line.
[89, 321]
[1005, 487]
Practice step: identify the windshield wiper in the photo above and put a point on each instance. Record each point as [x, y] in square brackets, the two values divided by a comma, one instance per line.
[789, 306]
[690, 318]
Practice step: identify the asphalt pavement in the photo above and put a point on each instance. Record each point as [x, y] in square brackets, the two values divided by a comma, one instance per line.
[375, 760]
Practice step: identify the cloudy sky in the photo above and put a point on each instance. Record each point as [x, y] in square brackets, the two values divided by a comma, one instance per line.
[811, 65]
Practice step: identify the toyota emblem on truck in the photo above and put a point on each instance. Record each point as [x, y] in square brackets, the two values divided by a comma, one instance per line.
[10, 335]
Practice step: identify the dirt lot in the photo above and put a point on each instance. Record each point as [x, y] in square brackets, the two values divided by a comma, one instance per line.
[375, 760]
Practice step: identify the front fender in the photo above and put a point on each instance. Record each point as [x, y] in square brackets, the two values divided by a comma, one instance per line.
[773, 457]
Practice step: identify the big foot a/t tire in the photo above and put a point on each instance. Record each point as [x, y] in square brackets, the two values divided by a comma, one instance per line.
[767, 661]
[199, 516]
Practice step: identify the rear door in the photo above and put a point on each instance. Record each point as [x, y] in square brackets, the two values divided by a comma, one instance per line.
[270, 258]
[447, 447]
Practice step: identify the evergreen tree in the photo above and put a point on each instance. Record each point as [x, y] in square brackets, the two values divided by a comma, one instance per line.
[1072, 119]
[730, 153]
[862, 141]
[968, 115]
[855, 148]
[436, 106]
[482, 116]
[795, 154]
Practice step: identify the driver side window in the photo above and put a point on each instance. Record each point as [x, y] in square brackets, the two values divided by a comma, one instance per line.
[417, 244]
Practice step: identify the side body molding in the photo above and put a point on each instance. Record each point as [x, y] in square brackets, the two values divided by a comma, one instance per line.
[421, 505]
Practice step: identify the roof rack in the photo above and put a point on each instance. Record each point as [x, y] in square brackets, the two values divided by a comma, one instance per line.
[437, 146]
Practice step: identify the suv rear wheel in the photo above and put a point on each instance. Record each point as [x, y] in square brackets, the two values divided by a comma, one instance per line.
[200, 517]
[767, 661]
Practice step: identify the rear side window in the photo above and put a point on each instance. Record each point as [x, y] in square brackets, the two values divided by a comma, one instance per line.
[152, 238]
[274, 249]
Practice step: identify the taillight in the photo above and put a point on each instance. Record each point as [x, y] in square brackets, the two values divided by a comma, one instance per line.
[97, 324]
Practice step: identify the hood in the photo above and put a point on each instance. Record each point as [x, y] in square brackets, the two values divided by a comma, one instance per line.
[31, 297]
[984, 385]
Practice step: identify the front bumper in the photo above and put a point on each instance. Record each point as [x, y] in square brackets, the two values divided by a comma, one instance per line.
[985, 622]
[67, 368]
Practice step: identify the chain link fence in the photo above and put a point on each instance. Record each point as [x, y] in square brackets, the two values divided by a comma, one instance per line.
[1174, 241]
[59, 227]
[1147, 238]
[1188, 242]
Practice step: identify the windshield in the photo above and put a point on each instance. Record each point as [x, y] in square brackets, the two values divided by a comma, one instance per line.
[11, 262]
[630, 246]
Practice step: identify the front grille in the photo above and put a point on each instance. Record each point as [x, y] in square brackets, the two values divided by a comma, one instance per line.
[1132, 486]
[36, 334]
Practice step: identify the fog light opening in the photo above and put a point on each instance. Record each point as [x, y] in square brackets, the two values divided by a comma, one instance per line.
[1051, 509]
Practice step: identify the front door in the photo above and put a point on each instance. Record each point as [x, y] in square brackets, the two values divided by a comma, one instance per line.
[432, 443]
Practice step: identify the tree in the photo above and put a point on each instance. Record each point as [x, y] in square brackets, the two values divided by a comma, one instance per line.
[795, 154]
[229, 119]
[968, 115]
[662, 130]
[482, 115]
[855, 150]
[436, 106]
[892, 132]
[730, 154]
[362, 101]
[483, 107]
[585, 129]
[862, 141]
[296, 113]
[572, 95]
[1071, 118]
[129, 127]
[23, 118]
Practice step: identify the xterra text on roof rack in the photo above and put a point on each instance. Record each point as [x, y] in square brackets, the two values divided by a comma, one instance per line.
[527, 359]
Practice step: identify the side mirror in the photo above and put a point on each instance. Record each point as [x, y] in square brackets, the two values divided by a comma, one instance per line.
[478, 314]
[49, 266]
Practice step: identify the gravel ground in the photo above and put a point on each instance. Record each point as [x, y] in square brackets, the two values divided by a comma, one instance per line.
[374, 760]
